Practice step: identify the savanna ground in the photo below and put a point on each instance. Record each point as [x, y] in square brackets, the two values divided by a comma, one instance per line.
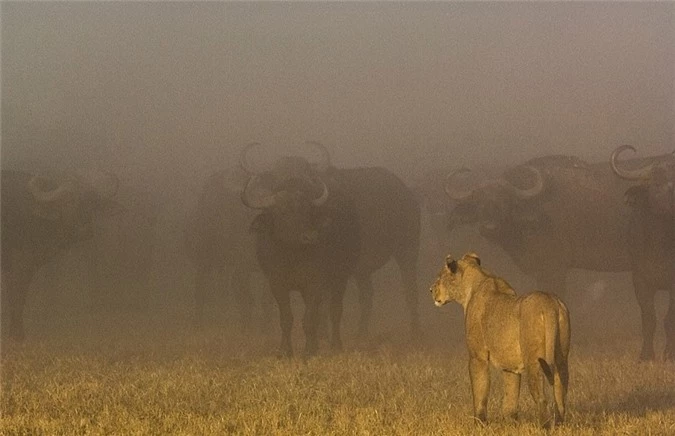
[152, 373]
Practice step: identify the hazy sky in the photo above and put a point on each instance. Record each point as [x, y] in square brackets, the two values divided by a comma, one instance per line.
[174, 90]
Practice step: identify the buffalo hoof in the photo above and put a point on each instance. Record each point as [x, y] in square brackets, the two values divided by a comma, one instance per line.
[310, 351]
[647, 355]
[284, 355]
[336, 345]
[285, 352]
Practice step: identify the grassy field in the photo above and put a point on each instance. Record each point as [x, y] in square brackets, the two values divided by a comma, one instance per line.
[137, 376]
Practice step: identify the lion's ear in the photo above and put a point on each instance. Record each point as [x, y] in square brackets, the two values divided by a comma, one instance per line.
[451, 264]
[472, 257]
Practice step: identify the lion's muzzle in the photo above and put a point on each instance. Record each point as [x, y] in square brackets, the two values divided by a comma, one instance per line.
[438, 299]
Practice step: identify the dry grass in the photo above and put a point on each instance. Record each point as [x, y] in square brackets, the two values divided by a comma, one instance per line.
[141, 377]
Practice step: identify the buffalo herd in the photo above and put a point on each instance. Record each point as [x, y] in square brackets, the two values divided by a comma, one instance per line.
[310, 226]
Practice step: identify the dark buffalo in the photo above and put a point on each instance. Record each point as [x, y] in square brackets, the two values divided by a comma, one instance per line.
[120, 256]
[307, 239]
[40, 217]
[651, 242]
[389, 221]
[218, 240]
[321, 225]
[115, 266]
[549, 215]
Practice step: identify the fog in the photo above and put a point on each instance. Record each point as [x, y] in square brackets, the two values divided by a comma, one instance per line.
[163, 94]
[174, 90]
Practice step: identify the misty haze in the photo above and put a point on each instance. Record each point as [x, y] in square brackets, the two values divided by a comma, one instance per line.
[226, 217]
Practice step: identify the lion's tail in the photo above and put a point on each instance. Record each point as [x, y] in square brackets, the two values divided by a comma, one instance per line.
[550, 341]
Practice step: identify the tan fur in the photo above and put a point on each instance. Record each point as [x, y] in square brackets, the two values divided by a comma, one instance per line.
[518, 334]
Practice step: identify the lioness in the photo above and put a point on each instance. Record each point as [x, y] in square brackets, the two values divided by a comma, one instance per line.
[528, 333]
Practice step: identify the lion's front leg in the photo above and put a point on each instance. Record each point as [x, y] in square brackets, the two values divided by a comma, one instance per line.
[511, 394]
[479, 371]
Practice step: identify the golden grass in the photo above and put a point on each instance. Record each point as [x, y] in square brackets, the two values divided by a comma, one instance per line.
[140, 378]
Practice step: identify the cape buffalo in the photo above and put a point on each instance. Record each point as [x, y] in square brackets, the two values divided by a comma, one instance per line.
[651, 242]
[549, 215]
[114, 268]
[217, 239]
[357, 220]
[307, 239]
[122, 251]
[41, 216]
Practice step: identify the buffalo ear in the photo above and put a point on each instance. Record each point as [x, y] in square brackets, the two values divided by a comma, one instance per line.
[472, 257]
[451, 264]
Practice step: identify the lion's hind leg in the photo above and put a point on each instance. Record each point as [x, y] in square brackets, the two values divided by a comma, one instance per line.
[511, 394]
[536, 381]
[560, 381]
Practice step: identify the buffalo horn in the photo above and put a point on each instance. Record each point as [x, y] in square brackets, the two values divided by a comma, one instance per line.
[529, 192]
[455, 194]
[324, 164]
[243, 161]
[262, 203]
[637, 174]
[56, 194]
[323, 197]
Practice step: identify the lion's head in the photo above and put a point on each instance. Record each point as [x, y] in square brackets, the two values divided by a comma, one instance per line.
[452, 283]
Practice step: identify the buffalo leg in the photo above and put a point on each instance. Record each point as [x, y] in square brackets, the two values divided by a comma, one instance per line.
[202, 280]
[336, 303]
[95, 277]
[16, 307]
[16, 289]
[365, 285]
[52, 291]
[285, 320]
[310, 322]
[323, 328]
[407, 266]
[669, 328]
[242, 293]
[267, 307]
[645, 298]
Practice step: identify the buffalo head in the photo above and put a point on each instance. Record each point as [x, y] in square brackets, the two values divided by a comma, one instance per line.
[292, 195]
[72, 202]
[496, 204]
[656, 182]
